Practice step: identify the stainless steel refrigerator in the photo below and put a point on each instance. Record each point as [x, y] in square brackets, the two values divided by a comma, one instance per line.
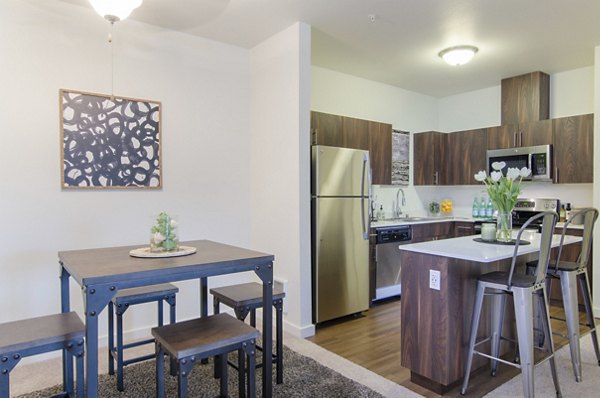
[341, 186]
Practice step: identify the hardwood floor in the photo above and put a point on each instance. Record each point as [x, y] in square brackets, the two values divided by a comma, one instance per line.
[372, 340]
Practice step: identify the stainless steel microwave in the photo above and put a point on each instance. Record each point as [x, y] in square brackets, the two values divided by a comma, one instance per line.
[537, 158]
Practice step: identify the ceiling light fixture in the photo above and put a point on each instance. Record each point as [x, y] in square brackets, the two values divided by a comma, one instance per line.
[458, 55]
[115, 10]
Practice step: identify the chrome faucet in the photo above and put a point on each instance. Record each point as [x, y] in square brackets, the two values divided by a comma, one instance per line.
[398, 209]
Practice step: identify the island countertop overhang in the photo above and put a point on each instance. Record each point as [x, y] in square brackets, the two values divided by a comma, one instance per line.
[465, 248]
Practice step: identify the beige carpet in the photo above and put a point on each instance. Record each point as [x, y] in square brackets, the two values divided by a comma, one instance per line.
[543, 386]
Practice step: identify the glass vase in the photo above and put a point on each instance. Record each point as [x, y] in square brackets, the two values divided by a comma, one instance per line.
[164, 234]
[504, 227]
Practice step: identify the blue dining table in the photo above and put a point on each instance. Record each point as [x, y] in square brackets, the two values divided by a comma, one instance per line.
[102, 272]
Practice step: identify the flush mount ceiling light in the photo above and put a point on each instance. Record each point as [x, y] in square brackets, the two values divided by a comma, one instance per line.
[458, 55]
[115, 10]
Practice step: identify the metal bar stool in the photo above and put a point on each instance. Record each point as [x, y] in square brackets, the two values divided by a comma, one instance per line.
[522, 287]
[245, 299]
[569, 273]
[34, 336]
[119, 304]
[190, 341]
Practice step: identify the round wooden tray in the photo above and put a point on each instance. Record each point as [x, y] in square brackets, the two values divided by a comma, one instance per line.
[144, 252]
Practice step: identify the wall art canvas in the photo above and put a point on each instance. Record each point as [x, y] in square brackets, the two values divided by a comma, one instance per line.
[400, 157]
[109, 142]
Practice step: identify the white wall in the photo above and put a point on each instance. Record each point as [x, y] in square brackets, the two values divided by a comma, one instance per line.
[280, 162]
[204, 87]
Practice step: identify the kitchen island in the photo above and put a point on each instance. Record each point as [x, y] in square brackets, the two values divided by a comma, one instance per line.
[435, 323]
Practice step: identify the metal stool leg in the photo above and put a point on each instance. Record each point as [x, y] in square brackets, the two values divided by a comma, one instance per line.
[242, 373]
[497, 317]
[223, 379]
[185, 367]
[251, 355]
[160, 371]
[473, 336]
[217, 365]
[523, 302]
[547, 332]
[568, 284]
[585, 289]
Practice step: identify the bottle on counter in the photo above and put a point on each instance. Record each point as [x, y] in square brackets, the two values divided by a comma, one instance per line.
[489, 209]
[475, 212]
[380, 214]
[562, 213]
[569, 211]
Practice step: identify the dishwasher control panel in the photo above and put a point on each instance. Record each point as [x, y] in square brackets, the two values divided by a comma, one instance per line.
[394, 234]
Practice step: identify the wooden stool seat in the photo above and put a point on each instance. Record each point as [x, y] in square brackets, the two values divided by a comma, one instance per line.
[28, 337]
[190, 341]
[245, 299]
[119, 304]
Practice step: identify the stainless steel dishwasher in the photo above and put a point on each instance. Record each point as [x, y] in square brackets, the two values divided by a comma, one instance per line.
[387, 258]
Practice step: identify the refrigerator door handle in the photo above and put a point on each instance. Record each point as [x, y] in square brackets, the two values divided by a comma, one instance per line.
[366, 225]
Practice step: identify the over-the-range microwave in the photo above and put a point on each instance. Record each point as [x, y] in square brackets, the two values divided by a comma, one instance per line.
[536, 158]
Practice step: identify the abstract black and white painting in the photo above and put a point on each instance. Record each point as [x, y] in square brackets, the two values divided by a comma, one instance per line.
[400, 157]
[109, 142]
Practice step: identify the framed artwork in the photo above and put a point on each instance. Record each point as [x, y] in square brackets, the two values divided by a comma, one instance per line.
[400, 157]
[109, 142]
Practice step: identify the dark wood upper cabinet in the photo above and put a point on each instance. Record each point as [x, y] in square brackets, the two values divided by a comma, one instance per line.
[465, 156]
[524, 134]
[574, 149]
[326, 129]
[525, 98]
[380, 151]
[429, 158]
[355, 133]
[348, 132]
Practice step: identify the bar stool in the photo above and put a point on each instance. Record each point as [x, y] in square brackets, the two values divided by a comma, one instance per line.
[119, 304]
[569, 272]
[245, 299]
[28, 337]
[190, 341]
[522, 287]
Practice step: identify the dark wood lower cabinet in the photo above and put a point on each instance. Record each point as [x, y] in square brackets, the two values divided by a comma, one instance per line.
[435, 323]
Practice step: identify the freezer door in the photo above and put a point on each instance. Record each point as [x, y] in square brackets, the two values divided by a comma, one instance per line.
[340, 171]
[341, 258]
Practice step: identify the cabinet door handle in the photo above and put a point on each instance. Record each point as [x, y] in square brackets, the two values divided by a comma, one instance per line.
[520, 138]
[556, 175]
[514, 139]
[435, 178]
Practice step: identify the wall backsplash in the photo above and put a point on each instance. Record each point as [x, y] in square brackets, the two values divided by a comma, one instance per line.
[417, 198]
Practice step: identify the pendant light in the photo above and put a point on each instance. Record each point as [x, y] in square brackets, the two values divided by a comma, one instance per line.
[458, 55]
[115, 10]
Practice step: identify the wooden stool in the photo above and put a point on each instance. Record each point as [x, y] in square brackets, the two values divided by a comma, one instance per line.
[246, 298]
[34, 336]
[190, 341]
[121, 303]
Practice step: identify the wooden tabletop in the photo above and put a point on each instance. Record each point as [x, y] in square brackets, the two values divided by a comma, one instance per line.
[110, 264]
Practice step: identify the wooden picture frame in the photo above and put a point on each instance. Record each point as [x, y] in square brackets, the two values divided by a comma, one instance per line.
[109, 141]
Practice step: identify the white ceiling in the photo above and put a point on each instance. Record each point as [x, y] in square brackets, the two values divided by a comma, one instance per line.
[399, 45]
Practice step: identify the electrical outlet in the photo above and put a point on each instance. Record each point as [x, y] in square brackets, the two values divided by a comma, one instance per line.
[434, 279]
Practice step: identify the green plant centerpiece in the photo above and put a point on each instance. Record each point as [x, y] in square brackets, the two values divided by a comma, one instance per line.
[503, 191]
[163, 234]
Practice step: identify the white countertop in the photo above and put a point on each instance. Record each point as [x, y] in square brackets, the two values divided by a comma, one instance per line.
[429, 220]
[465, 248]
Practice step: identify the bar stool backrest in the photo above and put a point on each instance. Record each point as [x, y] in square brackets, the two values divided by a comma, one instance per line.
[590, 215]
[548, 223]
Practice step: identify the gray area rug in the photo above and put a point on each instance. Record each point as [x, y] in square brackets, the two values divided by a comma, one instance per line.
[543, 387]
[303, 377]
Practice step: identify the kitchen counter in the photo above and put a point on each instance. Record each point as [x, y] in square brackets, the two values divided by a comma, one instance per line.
[421, 220]
[465, 248]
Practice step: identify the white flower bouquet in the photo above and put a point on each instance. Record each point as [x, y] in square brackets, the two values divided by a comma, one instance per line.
[163, 234]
